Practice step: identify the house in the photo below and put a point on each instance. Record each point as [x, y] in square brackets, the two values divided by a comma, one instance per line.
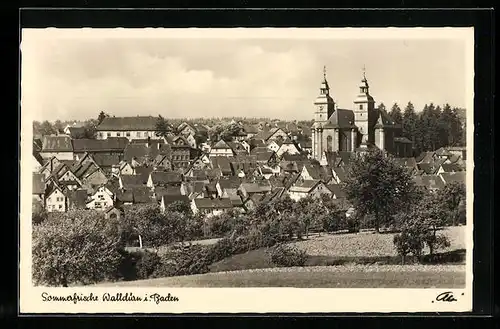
[77, 199]
[248, 189]
[186, 129]
[183, 141]
[193, 190]
[140, 154]
[142, 194]
[106, 162]
[168, 199]
[426, 157]
[409, 163]
[274, 145]
[58, 146]
[38, 187]
[306, 146]
[228, 188]
[210, 207]
[430, 182]
[101, 200]
[458, 150]
[163, 162]
[221, 148]
[451, 177]
[211, 190]
[313, 172]
[201, 162]
[313, 188]
[144, 173]
[196, 175]
[164, 178]
[288, 146]
[111, 146]
[264, 172]
[266, 158]
[129, 182]
[274, 133]
[88, 172]
[339, 174]
[122, 168]
[337, 191]
[55, 199]
[449, 168]
[129, 127]
[250, 130]
[182, 155]
[68, 179]
[238, 148]
[36, 162]
[223, 163]
[113, 213]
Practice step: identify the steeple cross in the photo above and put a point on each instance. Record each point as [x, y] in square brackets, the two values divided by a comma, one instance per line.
[324, 72]
[364, 71]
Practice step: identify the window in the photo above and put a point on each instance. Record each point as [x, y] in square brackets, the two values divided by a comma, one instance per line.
[99, 135]
[145, 134]
[118, 134]
[127, 134]
[60, 206]
[138, 134]
[109, 134]
[360, 106]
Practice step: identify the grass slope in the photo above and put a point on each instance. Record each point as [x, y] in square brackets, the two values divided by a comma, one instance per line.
[320, 277]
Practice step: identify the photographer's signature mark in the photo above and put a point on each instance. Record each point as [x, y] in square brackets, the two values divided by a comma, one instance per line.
[446, 296]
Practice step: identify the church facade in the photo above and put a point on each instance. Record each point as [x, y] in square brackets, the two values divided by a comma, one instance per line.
[350, 130]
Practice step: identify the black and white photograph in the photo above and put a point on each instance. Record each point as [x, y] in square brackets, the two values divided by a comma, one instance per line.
[335, 162]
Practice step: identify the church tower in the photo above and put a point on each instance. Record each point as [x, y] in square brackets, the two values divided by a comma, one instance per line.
[364, 106]
[324, 108]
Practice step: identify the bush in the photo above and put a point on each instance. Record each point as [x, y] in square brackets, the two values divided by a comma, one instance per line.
[220, 250]
[147, 264]
[183, 261]
[77, 247]
[287, 256]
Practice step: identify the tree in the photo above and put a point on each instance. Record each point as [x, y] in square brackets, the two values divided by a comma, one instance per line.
[162, 127]
[381, 107]
[410, 119]
[458, 126]
[101, 117]
[147, 223]
[450, 198]
[378, 186]
[58, 126]
[182, 207]
[76, 247]
[396, 114]
[90, 129]
[38, 213]
[309, 211]
[46, 128]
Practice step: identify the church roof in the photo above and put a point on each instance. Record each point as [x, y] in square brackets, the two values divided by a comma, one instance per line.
[385, 120]
[341, 118]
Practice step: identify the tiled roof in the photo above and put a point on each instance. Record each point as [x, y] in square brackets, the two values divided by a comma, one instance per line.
[207, 203]
[143, 123]
[141, 151]
[342, 118]
[402, 140]
[143, 172]
[75, 132]
[337, 190]
[160, 191]
[232, 182]
[384, 119]
[106, 160]
[222, 163]
[256, 188]
[38, 183]
[142, 195]
[171, 198]
[429, 181]
[406, 162]
[341, 173]
[116, 144]
[130, 181]
[221, 145]
[451, 167]
[454, 177]
[305, 186]
[77, 198]
[61, 143]
[165, 177]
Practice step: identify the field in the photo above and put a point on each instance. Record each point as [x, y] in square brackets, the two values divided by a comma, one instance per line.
[415, 276]
[363, 260]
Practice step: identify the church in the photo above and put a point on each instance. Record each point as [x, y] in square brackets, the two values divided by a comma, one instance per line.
[362, 127]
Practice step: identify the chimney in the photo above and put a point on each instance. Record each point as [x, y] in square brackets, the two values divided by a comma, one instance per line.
[148, 143]
[159, 145]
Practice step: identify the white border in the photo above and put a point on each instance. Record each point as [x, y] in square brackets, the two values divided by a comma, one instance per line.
[252, 300]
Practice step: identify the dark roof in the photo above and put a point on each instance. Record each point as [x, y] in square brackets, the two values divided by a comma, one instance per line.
[402, 140]
[341, 118]
[264, 156]
[337, 190]
[125, 196]
[61, 143]
[106, 160]
[428, 168]
[222, 163]
[341, 173]
[38, 183]
[427, 157]
[319, 172]
[165, 177]
[142, 195]
[451, 167]
[143, 172]
[130, 181]
[429, 181]
[406, 162]
[294, 157]
[160, 191]
[171, 198]
[306, 185]
[76, 132]
[207, 203]
[221, 145]
[141, 151]
[116, 144]
[250, 129]
[232, 182]
[454, 177]
[146, 123]
[256, 187]
[77, 198]
[385, 120]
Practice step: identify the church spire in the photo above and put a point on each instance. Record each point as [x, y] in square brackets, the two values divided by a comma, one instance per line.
[363, 87]
[324, 72]
[325, 89]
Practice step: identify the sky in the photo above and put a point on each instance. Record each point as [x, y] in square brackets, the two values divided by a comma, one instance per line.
[74, 74]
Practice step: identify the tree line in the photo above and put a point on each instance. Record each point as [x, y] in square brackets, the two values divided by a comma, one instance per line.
[433, 127]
